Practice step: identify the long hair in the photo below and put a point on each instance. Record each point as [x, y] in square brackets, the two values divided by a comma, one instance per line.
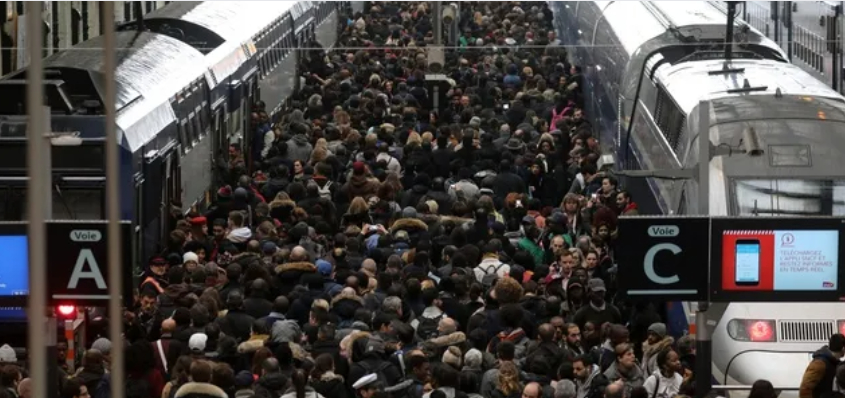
[508, 378]
[299, 380]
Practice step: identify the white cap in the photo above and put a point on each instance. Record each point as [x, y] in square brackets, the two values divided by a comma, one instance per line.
[365, 381]
[190, 256]
[7, 354]
[197, 342]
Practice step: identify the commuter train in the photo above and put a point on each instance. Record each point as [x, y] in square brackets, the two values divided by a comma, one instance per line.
[187, 78]
[646, 66]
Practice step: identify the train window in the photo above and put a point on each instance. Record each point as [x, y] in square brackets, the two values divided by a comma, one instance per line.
[790, 197]
[183, 136]
[204, 118]
[197, 129]
[189, 129]
[669, 118]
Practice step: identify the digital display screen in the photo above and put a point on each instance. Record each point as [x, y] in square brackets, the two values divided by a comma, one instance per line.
[14, 269]
[789, 260]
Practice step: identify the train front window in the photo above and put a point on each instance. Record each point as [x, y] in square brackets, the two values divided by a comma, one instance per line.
[789, 197]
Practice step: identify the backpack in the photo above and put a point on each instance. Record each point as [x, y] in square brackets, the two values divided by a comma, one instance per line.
[427, 327]
[379, 371]
[490, 278]
[325, 191]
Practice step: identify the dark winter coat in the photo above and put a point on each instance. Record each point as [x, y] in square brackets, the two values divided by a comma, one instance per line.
[288, 275]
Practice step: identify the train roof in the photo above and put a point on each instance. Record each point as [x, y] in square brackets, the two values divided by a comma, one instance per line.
[637, 23]
[690, 82]
[229, 20]
[147, 63]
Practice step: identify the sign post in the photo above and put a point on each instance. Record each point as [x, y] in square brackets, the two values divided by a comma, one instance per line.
[79, 263]
[667, 257]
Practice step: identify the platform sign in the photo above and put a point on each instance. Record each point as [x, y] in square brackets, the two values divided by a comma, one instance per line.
[663, 258]
[776, 259]
[77, 260]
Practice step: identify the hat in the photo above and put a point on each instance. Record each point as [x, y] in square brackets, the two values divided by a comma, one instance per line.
[401, 235]
[473, 358]
[365, 381]
[269, 248]
[528, 220]
[7, 354]
[596, 285]
[659, 329]
[324, 267]
[358, 168]
[409, 212]
[375, 344]
[158, 261]
[197, 342]
[199, 221]
[224, 192]
[103, 345]
[452, 356]
[475, 121]
[190, 256]
[514, 145]
[574, 284]
[243, 379]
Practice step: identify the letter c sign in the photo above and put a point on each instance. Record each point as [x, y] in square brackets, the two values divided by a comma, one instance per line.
[649, 263]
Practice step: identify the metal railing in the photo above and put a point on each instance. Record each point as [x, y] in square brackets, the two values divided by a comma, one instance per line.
[748, 388]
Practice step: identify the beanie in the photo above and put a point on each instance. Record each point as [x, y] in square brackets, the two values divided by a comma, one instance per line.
[473, 358]
[452, 356]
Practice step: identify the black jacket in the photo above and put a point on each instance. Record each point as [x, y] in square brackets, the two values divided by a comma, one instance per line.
[236, 323]
[271, 385]
[357, 371]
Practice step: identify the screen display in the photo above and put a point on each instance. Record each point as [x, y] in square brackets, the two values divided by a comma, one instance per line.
[14, 269]
[748, 262]
[799, 260]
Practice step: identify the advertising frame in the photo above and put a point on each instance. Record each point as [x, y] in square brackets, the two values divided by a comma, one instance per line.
[720, 226]
[15, 228]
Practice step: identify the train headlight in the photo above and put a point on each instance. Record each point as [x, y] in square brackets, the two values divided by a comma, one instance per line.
[752, 330]
[841, 325]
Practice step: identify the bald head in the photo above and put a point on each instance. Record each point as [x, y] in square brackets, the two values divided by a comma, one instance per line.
[369, 266]
[447, 326]
[168, 325]
[531, 390]
[25, 388]
[546, 332]
[615, 390]
[348, 291]
[298, 254]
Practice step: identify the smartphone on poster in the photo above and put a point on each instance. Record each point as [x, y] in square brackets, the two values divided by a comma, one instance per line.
[747, 262]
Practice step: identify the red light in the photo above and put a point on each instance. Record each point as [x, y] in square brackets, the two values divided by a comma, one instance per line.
[842, 327]
[761, 331]
[67, 310]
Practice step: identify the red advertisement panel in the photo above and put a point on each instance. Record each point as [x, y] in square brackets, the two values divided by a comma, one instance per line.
[730, 240]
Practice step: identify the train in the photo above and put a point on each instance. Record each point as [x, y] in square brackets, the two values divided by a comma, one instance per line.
[646, 66]
[188, 76]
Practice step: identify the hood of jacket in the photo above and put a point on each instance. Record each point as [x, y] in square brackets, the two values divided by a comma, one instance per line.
[206, 390]
[652, 349]
[584, 387]
[409, 224]
[300, 140]
[253, 344]
[633, 375]
[286, 331]
[301, 266]
[240, 235]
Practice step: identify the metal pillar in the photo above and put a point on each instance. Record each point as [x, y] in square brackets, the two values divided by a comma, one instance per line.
[789, 24]
[436, 14]
[36, 210]
[703, 343]
[836, 48]
[729, 34]
[118, 389]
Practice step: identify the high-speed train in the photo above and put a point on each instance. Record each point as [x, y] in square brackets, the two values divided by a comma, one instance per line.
[646, 67]
[186, 83]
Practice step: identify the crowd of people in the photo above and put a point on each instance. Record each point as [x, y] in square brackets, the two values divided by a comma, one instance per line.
[371, 244]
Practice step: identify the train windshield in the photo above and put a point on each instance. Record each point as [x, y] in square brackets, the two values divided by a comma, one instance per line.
[789, 197]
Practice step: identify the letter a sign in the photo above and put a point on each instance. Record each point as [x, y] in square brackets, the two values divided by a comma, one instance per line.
[77, 262]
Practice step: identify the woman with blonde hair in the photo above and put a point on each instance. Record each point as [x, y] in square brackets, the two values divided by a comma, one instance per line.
[508, 382]
[357, 214]
[320, 152]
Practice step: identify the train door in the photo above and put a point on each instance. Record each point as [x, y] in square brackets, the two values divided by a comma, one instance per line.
[172, 171]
